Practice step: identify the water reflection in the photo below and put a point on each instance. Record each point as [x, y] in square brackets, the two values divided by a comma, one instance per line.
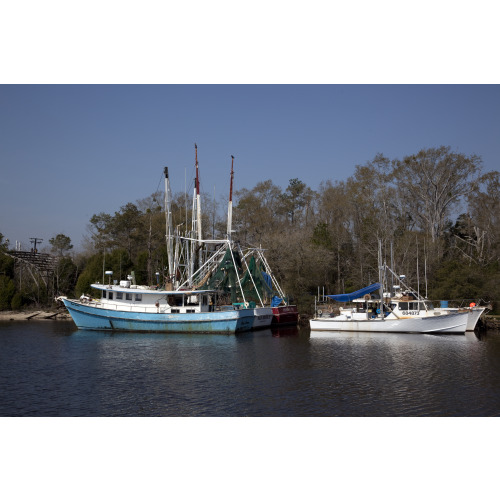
[285, 331]
[55, 370]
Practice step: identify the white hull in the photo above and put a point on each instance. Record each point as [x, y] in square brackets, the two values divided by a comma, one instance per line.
[446, 323]
[262, 317]
[473, 314]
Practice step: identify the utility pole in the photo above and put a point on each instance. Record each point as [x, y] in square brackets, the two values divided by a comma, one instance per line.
[35, 241]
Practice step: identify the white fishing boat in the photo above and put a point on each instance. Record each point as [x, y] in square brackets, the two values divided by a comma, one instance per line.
[397, 311]
[396, 315]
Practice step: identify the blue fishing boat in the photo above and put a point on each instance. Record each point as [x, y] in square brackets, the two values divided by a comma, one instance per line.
[127, 307]
[182, 306]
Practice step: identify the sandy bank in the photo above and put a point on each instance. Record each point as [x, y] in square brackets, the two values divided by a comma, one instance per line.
[34, 315]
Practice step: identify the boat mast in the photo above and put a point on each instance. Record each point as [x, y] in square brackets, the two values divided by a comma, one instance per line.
[418, 271]
[198, 201]
[169, 230]
[381, 273]
[230, 203]
[392, 267]
[195, 218]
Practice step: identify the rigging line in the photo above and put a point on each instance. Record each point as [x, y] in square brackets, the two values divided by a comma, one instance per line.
[250, 274]
[157, 193]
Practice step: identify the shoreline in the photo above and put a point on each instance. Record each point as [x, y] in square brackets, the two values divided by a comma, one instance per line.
[61, 315]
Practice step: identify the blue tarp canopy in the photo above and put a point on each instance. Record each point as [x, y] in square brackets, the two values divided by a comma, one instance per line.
[268, 280]
[347, 297]
[276, 301]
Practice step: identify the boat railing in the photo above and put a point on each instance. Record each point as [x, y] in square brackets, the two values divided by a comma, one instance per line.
[145, 309]
[116, 307]
[460, 303]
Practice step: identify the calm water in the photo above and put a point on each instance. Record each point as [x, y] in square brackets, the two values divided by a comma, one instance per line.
[52, 369]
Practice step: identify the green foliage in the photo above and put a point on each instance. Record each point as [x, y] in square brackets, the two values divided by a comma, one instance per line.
[6, 265]
[92, 273]
[17, 301]
[116, 261]
[66, 276]
[296, 199]
[60, 244]
[7, 292]
[6, 262]
[4, 243]
[456, 280]
[141, 269]
[321, 235]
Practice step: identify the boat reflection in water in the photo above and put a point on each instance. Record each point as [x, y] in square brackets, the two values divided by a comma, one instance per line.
[285, 331]
[342, 334]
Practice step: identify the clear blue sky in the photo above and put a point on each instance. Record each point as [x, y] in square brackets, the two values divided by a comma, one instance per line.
[70, 151]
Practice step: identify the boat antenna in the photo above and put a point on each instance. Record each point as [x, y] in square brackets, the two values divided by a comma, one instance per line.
[425, 268]
[418, 272]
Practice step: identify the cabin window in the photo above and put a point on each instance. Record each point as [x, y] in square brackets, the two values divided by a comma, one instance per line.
[138, 297]
[119, 295]
[204, 300]
[403, 306]
[110, 295]
[190, 310]
[175, 311]
[128, 296]
[104, 294]
[414, 306]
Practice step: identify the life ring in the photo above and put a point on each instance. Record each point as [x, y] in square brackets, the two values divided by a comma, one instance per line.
[367, 297]
[472, 304]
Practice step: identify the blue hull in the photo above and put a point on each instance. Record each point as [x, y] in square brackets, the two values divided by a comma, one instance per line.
[92, 318]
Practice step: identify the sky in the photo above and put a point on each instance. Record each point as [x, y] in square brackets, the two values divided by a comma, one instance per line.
[97, 97]
[68, 152]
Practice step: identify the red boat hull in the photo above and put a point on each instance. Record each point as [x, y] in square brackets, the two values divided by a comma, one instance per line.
[285, 315]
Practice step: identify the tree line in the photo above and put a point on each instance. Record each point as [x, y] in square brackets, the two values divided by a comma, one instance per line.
[435, 213]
